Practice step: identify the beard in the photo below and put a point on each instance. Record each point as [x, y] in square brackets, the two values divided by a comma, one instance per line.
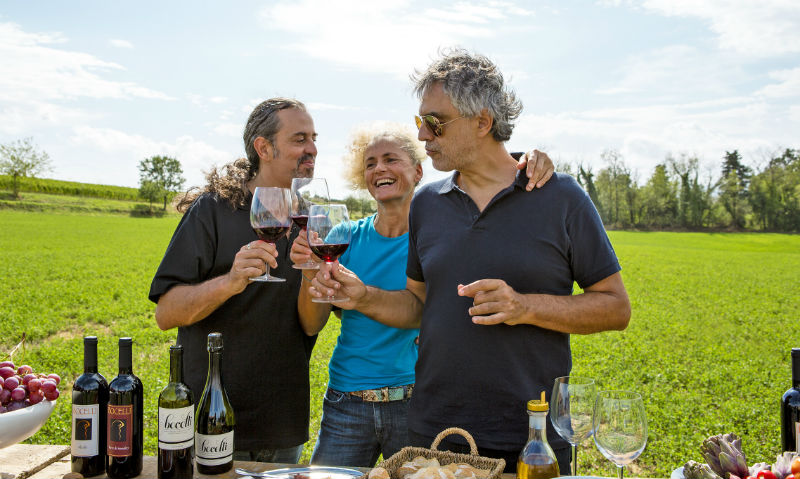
[304, 172]
[299, 171]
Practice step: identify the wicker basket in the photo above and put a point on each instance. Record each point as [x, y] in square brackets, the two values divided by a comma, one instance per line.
[494, 466]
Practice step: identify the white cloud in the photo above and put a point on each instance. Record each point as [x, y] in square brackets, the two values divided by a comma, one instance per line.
[116, 42]
[228, 129]
[762, 28]
[645, 135]
[385, 36]
[328, 106]
[673, 72]
[203, 101]
[44, 73]
[788, 84]
[100, 144]
[20, 119]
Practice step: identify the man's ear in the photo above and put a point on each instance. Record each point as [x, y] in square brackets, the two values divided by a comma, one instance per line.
[263, 147]
[485, 122]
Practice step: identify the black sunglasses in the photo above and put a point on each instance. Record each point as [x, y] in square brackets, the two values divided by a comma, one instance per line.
[436, 126]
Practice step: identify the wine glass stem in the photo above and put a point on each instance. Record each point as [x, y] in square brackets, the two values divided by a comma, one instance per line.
[620, 472]
[266, 265]
[574, 463]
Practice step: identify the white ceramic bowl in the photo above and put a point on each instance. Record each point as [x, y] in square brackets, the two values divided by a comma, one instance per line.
[16, 426]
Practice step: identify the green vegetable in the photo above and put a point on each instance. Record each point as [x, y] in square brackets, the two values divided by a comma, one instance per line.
[724, 456]
[698, 470]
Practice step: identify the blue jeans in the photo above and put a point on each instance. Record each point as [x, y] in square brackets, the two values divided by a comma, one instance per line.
[354, 432]
[289, 455]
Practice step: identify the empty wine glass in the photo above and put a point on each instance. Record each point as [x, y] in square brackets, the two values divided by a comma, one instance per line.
[571, 411]
[329, 231]
[270, 217]
[620, 426]
[307, 192]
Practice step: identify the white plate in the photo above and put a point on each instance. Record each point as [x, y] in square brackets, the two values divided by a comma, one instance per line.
[677, 473]
[313, 472]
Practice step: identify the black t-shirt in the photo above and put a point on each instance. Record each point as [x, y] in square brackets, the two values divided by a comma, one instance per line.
[266, 355]
[480, 377]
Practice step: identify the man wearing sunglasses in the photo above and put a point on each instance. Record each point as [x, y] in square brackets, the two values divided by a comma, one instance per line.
[490, 270]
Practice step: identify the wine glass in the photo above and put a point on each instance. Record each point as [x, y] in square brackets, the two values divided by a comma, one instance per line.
[270, 217]
[329, 231]
[307, 192]
[620, 426]
[571, 411]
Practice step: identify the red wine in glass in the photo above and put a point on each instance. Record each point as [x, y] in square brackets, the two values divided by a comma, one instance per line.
[270, 218]
[329, 230]
[271, 234]
[329, 252]
[307, 192]
[300, 220]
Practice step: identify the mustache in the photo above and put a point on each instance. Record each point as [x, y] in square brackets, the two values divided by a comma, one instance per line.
[304, 158]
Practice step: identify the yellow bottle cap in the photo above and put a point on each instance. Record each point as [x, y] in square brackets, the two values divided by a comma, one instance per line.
[538, 404]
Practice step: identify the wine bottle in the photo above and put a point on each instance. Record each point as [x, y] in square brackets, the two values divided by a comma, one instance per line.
[89, 409]
[213, 445]
[790, 409]
[125, 418]
[175, 423]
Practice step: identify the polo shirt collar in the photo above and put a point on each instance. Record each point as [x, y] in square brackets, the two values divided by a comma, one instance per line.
[520, 181]
[449, 184]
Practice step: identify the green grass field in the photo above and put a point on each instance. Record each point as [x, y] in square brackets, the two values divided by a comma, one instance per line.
[714, 318]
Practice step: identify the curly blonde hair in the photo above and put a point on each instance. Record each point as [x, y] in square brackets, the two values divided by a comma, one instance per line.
[365, 136]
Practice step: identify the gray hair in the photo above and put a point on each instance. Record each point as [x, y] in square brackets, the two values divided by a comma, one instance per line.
[264, 122]
[473, 83]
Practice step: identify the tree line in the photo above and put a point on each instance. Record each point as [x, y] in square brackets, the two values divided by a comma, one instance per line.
[678, 195]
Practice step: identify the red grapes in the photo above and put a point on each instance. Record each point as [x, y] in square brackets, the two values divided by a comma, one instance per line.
[20, 387]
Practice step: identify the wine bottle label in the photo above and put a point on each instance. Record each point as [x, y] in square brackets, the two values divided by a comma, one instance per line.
[213, 450]
[85, 423]
[797, 436]
[120, 425]
[175, 428]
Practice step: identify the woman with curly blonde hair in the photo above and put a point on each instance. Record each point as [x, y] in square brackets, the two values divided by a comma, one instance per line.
[371, 371]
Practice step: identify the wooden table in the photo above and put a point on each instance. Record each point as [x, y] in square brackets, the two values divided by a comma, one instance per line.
[27, 461]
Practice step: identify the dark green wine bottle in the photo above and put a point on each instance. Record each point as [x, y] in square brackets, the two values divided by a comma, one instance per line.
[213, 444]
[175, 423]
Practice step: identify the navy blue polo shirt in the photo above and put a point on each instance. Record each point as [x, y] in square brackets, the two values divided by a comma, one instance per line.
[481, 377]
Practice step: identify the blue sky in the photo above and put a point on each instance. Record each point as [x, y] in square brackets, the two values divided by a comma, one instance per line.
[101, 85]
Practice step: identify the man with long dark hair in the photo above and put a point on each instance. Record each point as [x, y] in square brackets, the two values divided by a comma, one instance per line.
[203, 285]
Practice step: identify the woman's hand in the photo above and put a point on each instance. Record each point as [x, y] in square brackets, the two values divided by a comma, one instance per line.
[539, 168]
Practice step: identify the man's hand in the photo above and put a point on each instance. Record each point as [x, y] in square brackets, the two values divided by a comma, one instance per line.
[494, 302]
[250, 262]
[539, 168]
[301, 252]
[335, 277]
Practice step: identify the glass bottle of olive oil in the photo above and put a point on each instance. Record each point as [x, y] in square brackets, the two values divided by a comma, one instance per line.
[537, 460]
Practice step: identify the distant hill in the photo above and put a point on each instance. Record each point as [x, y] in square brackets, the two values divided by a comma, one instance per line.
[42, 194]
[71, 188]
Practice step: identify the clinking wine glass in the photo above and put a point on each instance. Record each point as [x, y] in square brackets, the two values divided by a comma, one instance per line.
[329, 231]
[571, 411]
[305, 193]
[270, 217]
[620, 427]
